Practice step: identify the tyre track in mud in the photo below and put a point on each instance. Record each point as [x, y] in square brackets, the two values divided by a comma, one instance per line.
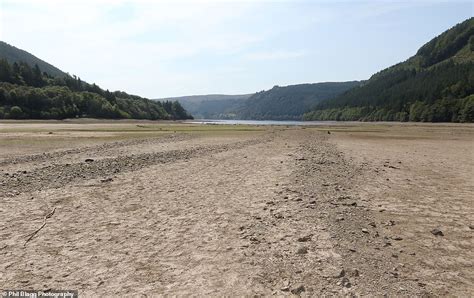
[96, 148]
[59, 175]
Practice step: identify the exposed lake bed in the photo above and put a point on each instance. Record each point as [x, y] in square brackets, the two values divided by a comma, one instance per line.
[149, 207]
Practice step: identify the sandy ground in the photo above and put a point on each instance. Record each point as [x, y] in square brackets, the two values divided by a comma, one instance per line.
[180, 209]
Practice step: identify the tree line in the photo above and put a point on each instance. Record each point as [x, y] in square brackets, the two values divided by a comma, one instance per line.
[28, 93]
[443, 93]
[435, 85]
[289, 102]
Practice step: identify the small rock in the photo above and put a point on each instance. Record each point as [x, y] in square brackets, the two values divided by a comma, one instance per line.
[345, 282]
[341, 273]
[286, 286]
[364, 230]
[305, 238]
[372, 224]
[397, 238]
[302, 250]
[437, 232]
[355, 273]
[298, 289]
[89, 160]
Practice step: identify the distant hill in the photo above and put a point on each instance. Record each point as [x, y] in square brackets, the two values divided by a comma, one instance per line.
[290, 102]
[13, 54]
[212, 106]
[278, 103]
[27, 91]
[435, 85]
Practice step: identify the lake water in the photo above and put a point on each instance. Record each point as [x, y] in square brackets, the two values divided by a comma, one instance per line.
[261, 122]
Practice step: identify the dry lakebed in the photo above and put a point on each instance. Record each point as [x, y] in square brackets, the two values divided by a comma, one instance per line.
[160, 208]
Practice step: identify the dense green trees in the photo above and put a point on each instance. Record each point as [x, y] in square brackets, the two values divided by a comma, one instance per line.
[212, 106]
[27, 93]
[13, 54]
[444, 110]
[289, 102]
[447, 44]
[435, 85]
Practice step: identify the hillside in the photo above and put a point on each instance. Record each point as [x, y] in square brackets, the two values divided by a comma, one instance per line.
[278, 103]
[435, 85]
[290, 102]
[13, 54]
[29, 92]
[212, 106]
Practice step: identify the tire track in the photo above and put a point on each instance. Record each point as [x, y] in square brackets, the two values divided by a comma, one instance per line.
[58, 175]
[96, 148]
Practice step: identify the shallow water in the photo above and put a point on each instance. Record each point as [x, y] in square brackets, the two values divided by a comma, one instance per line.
[261, 122]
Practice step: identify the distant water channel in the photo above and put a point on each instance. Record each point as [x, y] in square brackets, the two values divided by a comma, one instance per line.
[261, 122]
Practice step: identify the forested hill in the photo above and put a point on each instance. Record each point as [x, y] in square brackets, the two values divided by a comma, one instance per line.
[211, 106]
[13, 54]
[290, 102]
[278, 103]
[435, 85]
[28, 92]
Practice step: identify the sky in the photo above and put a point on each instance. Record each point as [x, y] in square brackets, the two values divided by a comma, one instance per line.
[160, 49]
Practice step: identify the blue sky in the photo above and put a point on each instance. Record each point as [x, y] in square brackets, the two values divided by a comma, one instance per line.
[172, 48]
